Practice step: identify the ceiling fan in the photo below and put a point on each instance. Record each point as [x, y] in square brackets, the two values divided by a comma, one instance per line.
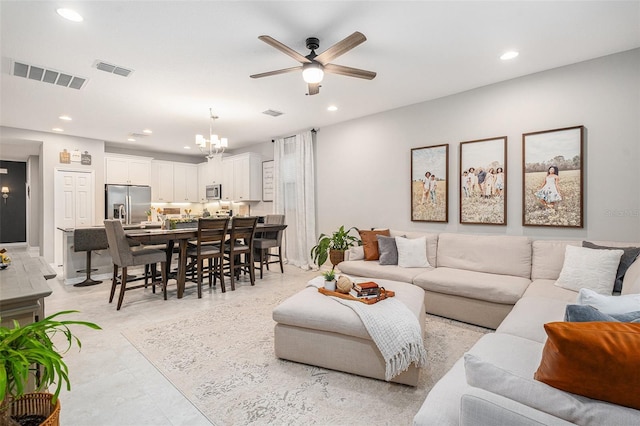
[314, 66]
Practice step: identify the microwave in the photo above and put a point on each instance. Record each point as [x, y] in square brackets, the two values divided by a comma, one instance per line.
[214, 192]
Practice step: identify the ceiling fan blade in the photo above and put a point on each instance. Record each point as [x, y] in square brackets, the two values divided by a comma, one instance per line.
[349, 72]
[276, 72]
[341, 47]
[314, 88]
[284, 49]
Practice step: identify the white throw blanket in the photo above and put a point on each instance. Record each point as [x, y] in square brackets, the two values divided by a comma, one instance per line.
[393, 328]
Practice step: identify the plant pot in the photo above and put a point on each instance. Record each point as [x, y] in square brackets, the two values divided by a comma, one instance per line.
[330, 285]
[38, 403]
[336, 256]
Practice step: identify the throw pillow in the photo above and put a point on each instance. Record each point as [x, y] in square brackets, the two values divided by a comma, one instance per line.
[388, 250]
[532, 393]
[586, 313]
[370, 243]
[609, 305]
[355, 253]
[629, 255]
[589, 268]
[598, 360]
[412, 252]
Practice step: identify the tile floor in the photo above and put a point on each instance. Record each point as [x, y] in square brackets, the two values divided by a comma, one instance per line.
[112, 383]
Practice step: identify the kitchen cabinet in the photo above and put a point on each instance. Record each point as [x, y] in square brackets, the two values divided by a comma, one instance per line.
[185, 183]
[162, 181]
[209, 173]
[127, 170]
[242, 177]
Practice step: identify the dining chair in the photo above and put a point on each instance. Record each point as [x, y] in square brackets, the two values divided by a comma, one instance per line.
[211, 235]
[124, 256]
[239, 248]
[265, 241]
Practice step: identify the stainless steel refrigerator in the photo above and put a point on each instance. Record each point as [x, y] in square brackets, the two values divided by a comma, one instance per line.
[128, 203]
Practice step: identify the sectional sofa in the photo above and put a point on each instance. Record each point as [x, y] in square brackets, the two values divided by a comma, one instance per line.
[505, 283]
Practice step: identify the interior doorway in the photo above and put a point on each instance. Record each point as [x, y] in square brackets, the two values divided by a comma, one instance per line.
[13, 203]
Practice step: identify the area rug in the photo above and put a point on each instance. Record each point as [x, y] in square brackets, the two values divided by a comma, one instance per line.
[223, 361]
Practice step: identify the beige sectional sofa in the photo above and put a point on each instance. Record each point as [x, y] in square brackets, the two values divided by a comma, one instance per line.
[506, 283]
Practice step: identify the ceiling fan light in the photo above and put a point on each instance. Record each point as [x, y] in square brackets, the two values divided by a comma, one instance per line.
[312, 73]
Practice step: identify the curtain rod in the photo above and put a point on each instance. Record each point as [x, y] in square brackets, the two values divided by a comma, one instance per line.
[313, 130]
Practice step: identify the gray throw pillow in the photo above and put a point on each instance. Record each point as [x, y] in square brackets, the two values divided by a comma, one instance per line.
[388, 250]
[629, 256]
[586, 313]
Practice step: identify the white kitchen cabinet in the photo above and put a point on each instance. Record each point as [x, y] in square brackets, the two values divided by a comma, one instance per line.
[127, 170]
[204, 178]
[185, 183]
[242, 177]
[162, 181]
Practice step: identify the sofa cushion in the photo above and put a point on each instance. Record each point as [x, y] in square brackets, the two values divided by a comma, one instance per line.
[589, 268]
[499, 379]
[474, 285]
[628, 257]
[388, 250]
[631, 281]
[412, 252]
[547, 258]
[494, 254]
[370, 242]
[586, 313]
[432, 242]
[548, 289]
[595, 359]
[529, 315]
[609, 304]
[362, 268]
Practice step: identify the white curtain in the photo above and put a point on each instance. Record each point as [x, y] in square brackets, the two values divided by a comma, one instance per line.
[294, 195]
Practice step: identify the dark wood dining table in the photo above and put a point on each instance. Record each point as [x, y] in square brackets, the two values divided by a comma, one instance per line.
[182, 236]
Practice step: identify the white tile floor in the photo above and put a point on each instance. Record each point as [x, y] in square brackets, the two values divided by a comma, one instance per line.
[112, 383]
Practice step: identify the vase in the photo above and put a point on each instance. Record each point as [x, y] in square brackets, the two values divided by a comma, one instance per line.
[330, 285]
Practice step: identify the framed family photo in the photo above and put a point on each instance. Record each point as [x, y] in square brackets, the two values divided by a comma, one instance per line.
[552, 165]
[483, 181]
[429, 179]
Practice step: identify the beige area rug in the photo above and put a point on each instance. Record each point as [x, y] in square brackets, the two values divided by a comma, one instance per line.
[223, 361]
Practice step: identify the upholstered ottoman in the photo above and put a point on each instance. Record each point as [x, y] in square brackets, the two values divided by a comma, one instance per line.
[315, 329]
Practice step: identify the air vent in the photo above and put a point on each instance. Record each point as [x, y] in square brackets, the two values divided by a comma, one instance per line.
[272, 112]
[47, 75]
[138, 135]
[112, 69]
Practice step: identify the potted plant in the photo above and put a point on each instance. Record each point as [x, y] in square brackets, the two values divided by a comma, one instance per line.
[329, 280]
[22, 347]
[333, 246]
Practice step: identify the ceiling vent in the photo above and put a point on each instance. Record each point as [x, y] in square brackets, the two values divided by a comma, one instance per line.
[138, 135]
[273, 112]
[47, 75]
[112, 69]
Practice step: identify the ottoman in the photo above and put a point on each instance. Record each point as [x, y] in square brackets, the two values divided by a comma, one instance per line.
[315, 329]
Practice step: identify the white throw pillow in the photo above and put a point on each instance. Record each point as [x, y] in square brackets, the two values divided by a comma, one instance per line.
[610, 305]
[355, 253]
[412, 252]
[589, 268]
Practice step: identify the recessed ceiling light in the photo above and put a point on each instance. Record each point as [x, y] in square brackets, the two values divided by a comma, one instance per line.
[332, 108]
[131, 139]
[70, 14]
[187, 147]
[57, 129]
[147, 131]
[509, 55]
[65, 118]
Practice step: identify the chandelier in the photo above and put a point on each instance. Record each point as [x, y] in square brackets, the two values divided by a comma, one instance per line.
[213, 146]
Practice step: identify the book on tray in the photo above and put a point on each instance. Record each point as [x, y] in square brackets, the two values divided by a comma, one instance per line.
[367, 290]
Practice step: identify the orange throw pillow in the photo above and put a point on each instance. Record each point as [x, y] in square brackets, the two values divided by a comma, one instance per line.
[370, 243]
[599, 360]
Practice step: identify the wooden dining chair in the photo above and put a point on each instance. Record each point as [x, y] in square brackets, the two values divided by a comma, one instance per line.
[239, 248]
[265, 241]
[211, 235]
[124, 257]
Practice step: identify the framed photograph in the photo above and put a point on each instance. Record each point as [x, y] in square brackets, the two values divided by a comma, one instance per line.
[483, 181]
[429, 180]
[267, 180]
[552, 181]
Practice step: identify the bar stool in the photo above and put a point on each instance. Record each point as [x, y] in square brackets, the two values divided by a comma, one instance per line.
[89, 239]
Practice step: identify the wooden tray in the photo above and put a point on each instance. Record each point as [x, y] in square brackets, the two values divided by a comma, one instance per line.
[383, 295]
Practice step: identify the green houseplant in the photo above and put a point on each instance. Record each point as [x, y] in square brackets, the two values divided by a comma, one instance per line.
[333, 246]
[23, 346]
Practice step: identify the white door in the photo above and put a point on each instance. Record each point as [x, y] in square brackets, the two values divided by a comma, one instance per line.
[74, 204]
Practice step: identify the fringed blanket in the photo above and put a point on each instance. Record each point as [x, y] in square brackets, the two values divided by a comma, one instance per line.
[394, 329]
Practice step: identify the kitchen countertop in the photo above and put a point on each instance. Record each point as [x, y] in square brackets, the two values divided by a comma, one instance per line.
[140, 225]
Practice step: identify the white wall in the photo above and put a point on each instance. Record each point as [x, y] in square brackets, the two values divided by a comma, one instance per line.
[363, 166]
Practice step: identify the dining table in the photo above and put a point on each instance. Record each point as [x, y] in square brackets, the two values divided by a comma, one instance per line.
[181, 236]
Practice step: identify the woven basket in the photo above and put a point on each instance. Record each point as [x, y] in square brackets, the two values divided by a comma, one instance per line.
[33, 404]
[336, 256]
